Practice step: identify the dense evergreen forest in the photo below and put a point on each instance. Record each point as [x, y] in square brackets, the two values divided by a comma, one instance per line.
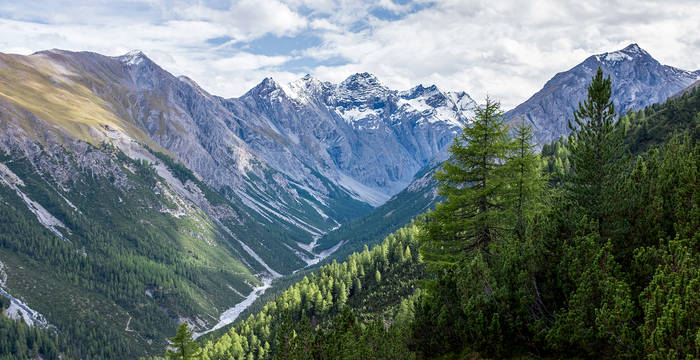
[587, 250]
[21, 341]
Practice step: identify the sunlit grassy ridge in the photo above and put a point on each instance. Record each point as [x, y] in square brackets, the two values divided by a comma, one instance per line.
[45, 92]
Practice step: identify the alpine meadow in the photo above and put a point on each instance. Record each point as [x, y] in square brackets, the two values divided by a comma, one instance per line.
[327, 189]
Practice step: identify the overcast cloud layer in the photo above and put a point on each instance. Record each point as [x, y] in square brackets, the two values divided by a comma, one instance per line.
[507, 49]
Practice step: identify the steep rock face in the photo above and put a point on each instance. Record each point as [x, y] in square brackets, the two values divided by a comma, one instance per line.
[359, 133]
[638, 80]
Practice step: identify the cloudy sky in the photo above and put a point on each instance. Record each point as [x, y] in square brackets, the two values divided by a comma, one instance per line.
[507, 49]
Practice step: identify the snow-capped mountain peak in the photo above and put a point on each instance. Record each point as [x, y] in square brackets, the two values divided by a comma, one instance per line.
[305, 88]
[419, 91]
[133, 58]
[463, 101]
[631, 52]
[361, 81]
[268, 88]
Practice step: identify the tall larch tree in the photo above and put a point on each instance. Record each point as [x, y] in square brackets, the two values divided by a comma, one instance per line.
[473, 183]
[524, 168]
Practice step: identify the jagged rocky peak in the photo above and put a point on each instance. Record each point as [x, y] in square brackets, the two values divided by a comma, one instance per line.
[268, 88]
[420, 91]
[462, 100]
[638, 80]
[361, 81]
[362, 88]
[306, 87]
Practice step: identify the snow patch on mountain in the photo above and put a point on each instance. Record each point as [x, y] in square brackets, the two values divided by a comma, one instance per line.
[132, 58]
[353, 115]
[362, 192]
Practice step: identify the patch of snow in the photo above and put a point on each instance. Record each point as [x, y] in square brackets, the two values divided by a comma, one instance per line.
[132, 58]
[616, 56]
[418, 104]
[352, 115]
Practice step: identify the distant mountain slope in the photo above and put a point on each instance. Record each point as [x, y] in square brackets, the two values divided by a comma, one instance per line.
[303, 158]
[419, 197]
[690, 88]
[638, 80]
[110, 250]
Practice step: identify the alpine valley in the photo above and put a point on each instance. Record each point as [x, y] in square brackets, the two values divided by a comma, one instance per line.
[132, 200]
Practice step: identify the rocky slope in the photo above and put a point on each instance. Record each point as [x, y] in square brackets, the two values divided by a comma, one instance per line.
[638, 80]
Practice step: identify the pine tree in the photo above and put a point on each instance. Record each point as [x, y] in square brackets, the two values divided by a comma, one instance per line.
[595, 145]
[185, 346]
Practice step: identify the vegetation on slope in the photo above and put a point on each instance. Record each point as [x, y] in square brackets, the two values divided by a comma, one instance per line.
[21, 341]
[129, 268]
[377, 285]
[398, 211]
[597, 259]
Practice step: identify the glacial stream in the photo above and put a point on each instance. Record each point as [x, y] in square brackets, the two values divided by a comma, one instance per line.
[233, 313]
[230, 315]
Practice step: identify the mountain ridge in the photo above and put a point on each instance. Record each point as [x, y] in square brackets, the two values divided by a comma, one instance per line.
[638, 80]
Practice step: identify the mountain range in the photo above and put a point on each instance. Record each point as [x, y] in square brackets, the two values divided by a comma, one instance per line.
[110, 159]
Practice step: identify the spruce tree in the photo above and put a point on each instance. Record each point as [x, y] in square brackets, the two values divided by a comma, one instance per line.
[185, 346]
[595, 145]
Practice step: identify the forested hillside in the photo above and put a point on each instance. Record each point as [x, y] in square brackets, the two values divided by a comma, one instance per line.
[123, 268]
[371, 287]
[589, 250]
